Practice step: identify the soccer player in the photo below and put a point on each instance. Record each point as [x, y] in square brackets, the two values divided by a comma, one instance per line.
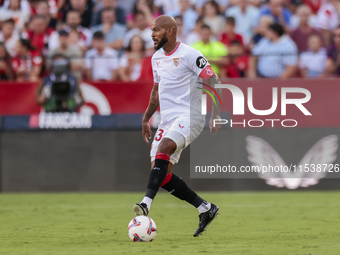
[174, 64]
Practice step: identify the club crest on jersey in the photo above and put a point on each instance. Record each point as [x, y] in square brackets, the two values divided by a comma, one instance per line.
[176, 61]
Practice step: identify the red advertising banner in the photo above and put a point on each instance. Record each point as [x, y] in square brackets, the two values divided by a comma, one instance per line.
[107, 98]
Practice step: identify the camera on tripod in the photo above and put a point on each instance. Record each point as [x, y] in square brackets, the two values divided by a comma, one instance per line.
[60, 89]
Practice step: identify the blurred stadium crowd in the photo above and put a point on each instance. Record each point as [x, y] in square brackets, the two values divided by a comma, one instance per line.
[111, 39]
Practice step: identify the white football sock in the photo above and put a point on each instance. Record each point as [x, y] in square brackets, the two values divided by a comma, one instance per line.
[147, 201]
[204, 207]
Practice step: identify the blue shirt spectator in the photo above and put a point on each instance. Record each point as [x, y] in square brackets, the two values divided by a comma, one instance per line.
[276, 54]
[113, 31]
[189, 15]
[280, 14]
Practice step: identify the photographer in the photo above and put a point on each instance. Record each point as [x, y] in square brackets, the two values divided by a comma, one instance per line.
[60, 91]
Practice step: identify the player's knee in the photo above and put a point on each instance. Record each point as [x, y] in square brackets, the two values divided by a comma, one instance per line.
[167, 146]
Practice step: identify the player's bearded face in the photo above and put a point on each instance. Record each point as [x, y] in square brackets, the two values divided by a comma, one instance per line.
[160, 44]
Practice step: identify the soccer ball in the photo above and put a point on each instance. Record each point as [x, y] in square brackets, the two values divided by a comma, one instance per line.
[142, 229]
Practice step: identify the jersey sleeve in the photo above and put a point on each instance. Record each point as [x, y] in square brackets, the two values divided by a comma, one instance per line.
[199, 64]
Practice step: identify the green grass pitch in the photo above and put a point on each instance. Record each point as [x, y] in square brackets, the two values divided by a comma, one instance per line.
[275, 223]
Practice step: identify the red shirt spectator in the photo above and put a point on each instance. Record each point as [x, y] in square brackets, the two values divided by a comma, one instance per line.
[229, 35]
[238, 62]
[27, 63]
[39, 34]
[228, 38]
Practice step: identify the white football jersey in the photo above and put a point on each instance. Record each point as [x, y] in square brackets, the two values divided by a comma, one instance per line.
[176, 74]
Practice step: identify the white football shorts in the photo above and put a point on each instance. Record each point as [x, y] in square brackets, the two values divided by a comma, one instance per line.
[181, 131]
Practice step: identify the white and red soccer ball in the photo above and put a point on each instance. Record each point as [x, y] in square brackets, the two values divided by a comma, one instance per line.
[142, 229]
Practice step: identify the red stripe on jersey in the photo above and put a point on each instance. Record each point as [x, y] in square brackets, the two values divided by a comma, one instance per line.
[167, 179]
[162, 155]
[173, 51]
[207, 72]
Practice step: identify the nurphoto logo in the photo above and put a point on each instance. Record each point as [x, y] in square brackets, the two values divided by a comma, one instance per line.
[238, 99]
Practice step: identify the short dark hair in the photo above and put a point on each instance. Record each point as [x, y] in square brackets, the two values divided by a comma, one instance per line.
[179, 17]
[205, 26]
[99, 35]
[74, 11]
[44, 1]
[63, 33]
[214, 4]
[277, 28]
[235, 43]
[39, 16]
[26, 44]
[139, 13]
[230, 20]
[200, 19]
[58, 55]
[9, 21]
[107, 9]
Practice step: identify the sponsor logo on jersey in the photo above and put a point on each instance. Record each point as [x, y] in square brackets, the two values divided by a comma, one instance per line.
[176, 61]
[157, 63]
[180, 126]
[201, 62]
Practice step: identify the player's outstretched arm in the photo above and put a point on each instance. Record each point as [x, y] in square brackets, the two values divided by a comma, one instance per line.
[216, 109]
[152, 107]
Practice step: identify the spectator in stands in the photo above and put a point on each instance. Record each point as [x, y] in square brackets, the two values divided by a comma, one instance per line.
[9, 36]
[27, 63]
[13, 11]
[238, 62]
[74, 54]
[328, 19]
[101, 5]
[187, 12]
[5, 67]
[38, 34]
[179, 23]
[302, 33]
[212, 18]
[194, 35]
[167, 6]
[73, 21]
[76, 42]
[262, 29]
[222, 5]
[132, 64]
[229, 34]
[143, 31]
[274, 56]
[314, 4]
[303, 10]
[246, 17]
[52, 7]
[43, 9]
[101, 62]
[113, 31]
[280, 14]
[214, 51]
[144, 6]
[313, 62]
[84, 7]
[333, 54]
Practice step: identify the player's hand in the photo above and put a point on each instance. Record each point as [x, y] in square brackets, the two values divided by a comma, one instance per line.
[216, 129]
[146, 131]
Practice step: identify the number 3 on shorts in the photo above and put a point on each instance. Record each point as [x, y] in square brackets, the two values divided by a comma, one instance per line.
[159, 135]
